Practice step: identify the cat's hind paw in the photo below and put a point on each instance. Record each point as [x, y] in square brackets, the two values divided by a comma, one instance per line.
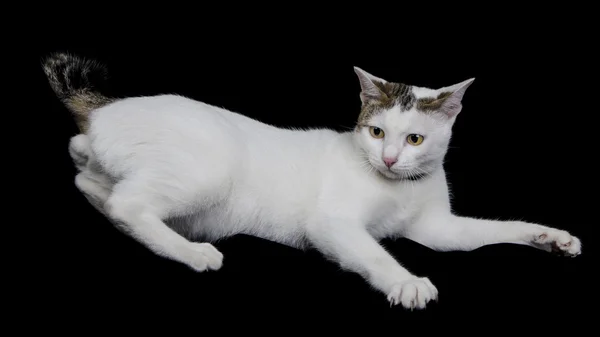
[79, 150]
[559, 242]
[203, 257]
[413, 294]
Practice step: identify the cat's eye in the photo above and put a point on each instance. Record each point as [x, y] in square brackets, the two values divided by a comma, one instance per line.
[414, 139]
[376, 132]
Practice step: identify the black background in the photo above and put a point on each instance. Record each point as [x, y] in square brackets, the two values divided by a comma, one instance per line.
[523, 148]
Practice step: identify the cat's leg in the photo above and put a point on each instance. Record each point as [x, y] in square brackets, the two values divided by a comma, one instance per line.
[83, 157]
[91, 182]
[444, 231]
[354, 249]
[139, 206]
[95, 188]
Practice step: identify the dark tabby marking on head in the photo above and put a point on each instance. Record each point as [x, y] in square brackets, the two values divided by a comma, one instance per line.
[391, 94]
[428, 104]
[78, 84]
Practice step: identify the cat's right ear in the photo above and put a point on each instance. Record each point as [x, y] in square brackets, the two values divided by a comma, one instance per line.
[369, 89]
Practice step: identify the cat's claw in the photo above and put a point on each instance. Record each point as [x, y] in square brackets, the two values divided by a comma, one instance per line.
[204, 256]
[413, 294]
[559, 242]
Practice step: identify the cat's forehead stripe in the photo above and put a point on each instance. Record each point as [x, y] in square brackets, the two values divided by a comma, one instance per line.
[399, 94]
[403, 96]
[396, 94]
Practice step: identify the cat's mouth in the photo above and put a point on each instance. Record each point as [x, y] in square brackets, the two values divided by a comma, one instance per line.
[408, 173]
[403, 172]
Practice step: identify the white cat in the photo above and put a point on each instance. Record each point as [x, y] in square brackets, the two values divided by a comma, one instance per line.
[169, 170]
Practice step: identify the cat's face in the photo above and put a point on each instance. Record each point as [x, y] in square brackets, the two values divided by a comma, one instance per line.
[405, 130]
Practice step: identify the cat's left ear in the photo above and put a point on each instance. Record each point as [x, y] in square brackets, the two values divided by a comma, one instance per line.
[369, 85]
[452, 103]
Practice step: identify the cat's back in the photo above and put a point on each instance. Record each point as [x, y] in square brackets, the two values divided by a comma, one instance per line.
[147, 132]
[142, 132]
[162, 112]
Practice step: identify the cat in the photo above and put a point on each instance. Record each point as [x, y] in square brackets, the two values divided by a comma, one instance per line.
[177, 174]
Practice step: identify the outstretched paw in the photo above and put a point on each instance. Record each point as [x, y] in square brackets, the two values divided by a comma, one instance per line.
[413, 294]
[559, 242]
[204, 256]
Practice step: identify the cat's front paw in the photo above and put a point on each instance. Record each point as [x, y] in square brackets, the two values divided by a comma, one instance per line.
[413, 294]
[204, 256]
[558, 241]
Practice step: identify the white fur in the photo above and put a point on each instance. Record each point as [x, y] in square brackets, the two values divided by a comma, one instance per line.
[209, 173]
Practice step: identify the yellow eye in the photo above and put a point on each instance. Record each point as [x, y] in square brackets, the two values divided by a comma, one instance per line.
[414, 139]
[376, 132]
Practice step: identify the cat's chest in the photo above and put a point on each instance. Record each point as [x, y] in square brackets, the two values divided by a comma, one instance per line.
[391, 212]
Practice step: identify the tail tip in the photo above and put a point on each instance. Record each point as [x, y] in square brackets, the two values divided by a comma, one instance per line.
[54, 60]
[66, 71]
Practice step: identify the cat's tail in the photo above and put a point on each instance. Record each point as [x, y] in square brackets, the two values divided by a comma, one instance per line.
[79, 83]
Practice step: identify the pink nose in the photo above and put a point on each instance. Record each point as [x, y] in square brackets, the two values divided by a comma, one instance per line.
[389, 161]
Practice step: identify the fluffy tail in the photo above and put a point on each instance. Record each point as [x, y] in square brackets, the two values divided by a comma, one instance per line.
[78, 83]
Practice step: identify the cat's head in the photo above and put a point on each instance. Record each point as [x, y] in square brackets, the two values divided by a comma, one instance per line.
[405, 130]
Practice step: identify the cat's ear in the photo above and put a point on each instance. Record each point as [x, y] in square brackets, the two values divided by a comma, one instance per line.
[368, 85]
[451, 103]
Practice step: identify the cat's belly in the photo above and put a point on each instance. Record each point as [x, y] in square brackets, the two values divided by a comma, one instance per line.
[229, 218]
